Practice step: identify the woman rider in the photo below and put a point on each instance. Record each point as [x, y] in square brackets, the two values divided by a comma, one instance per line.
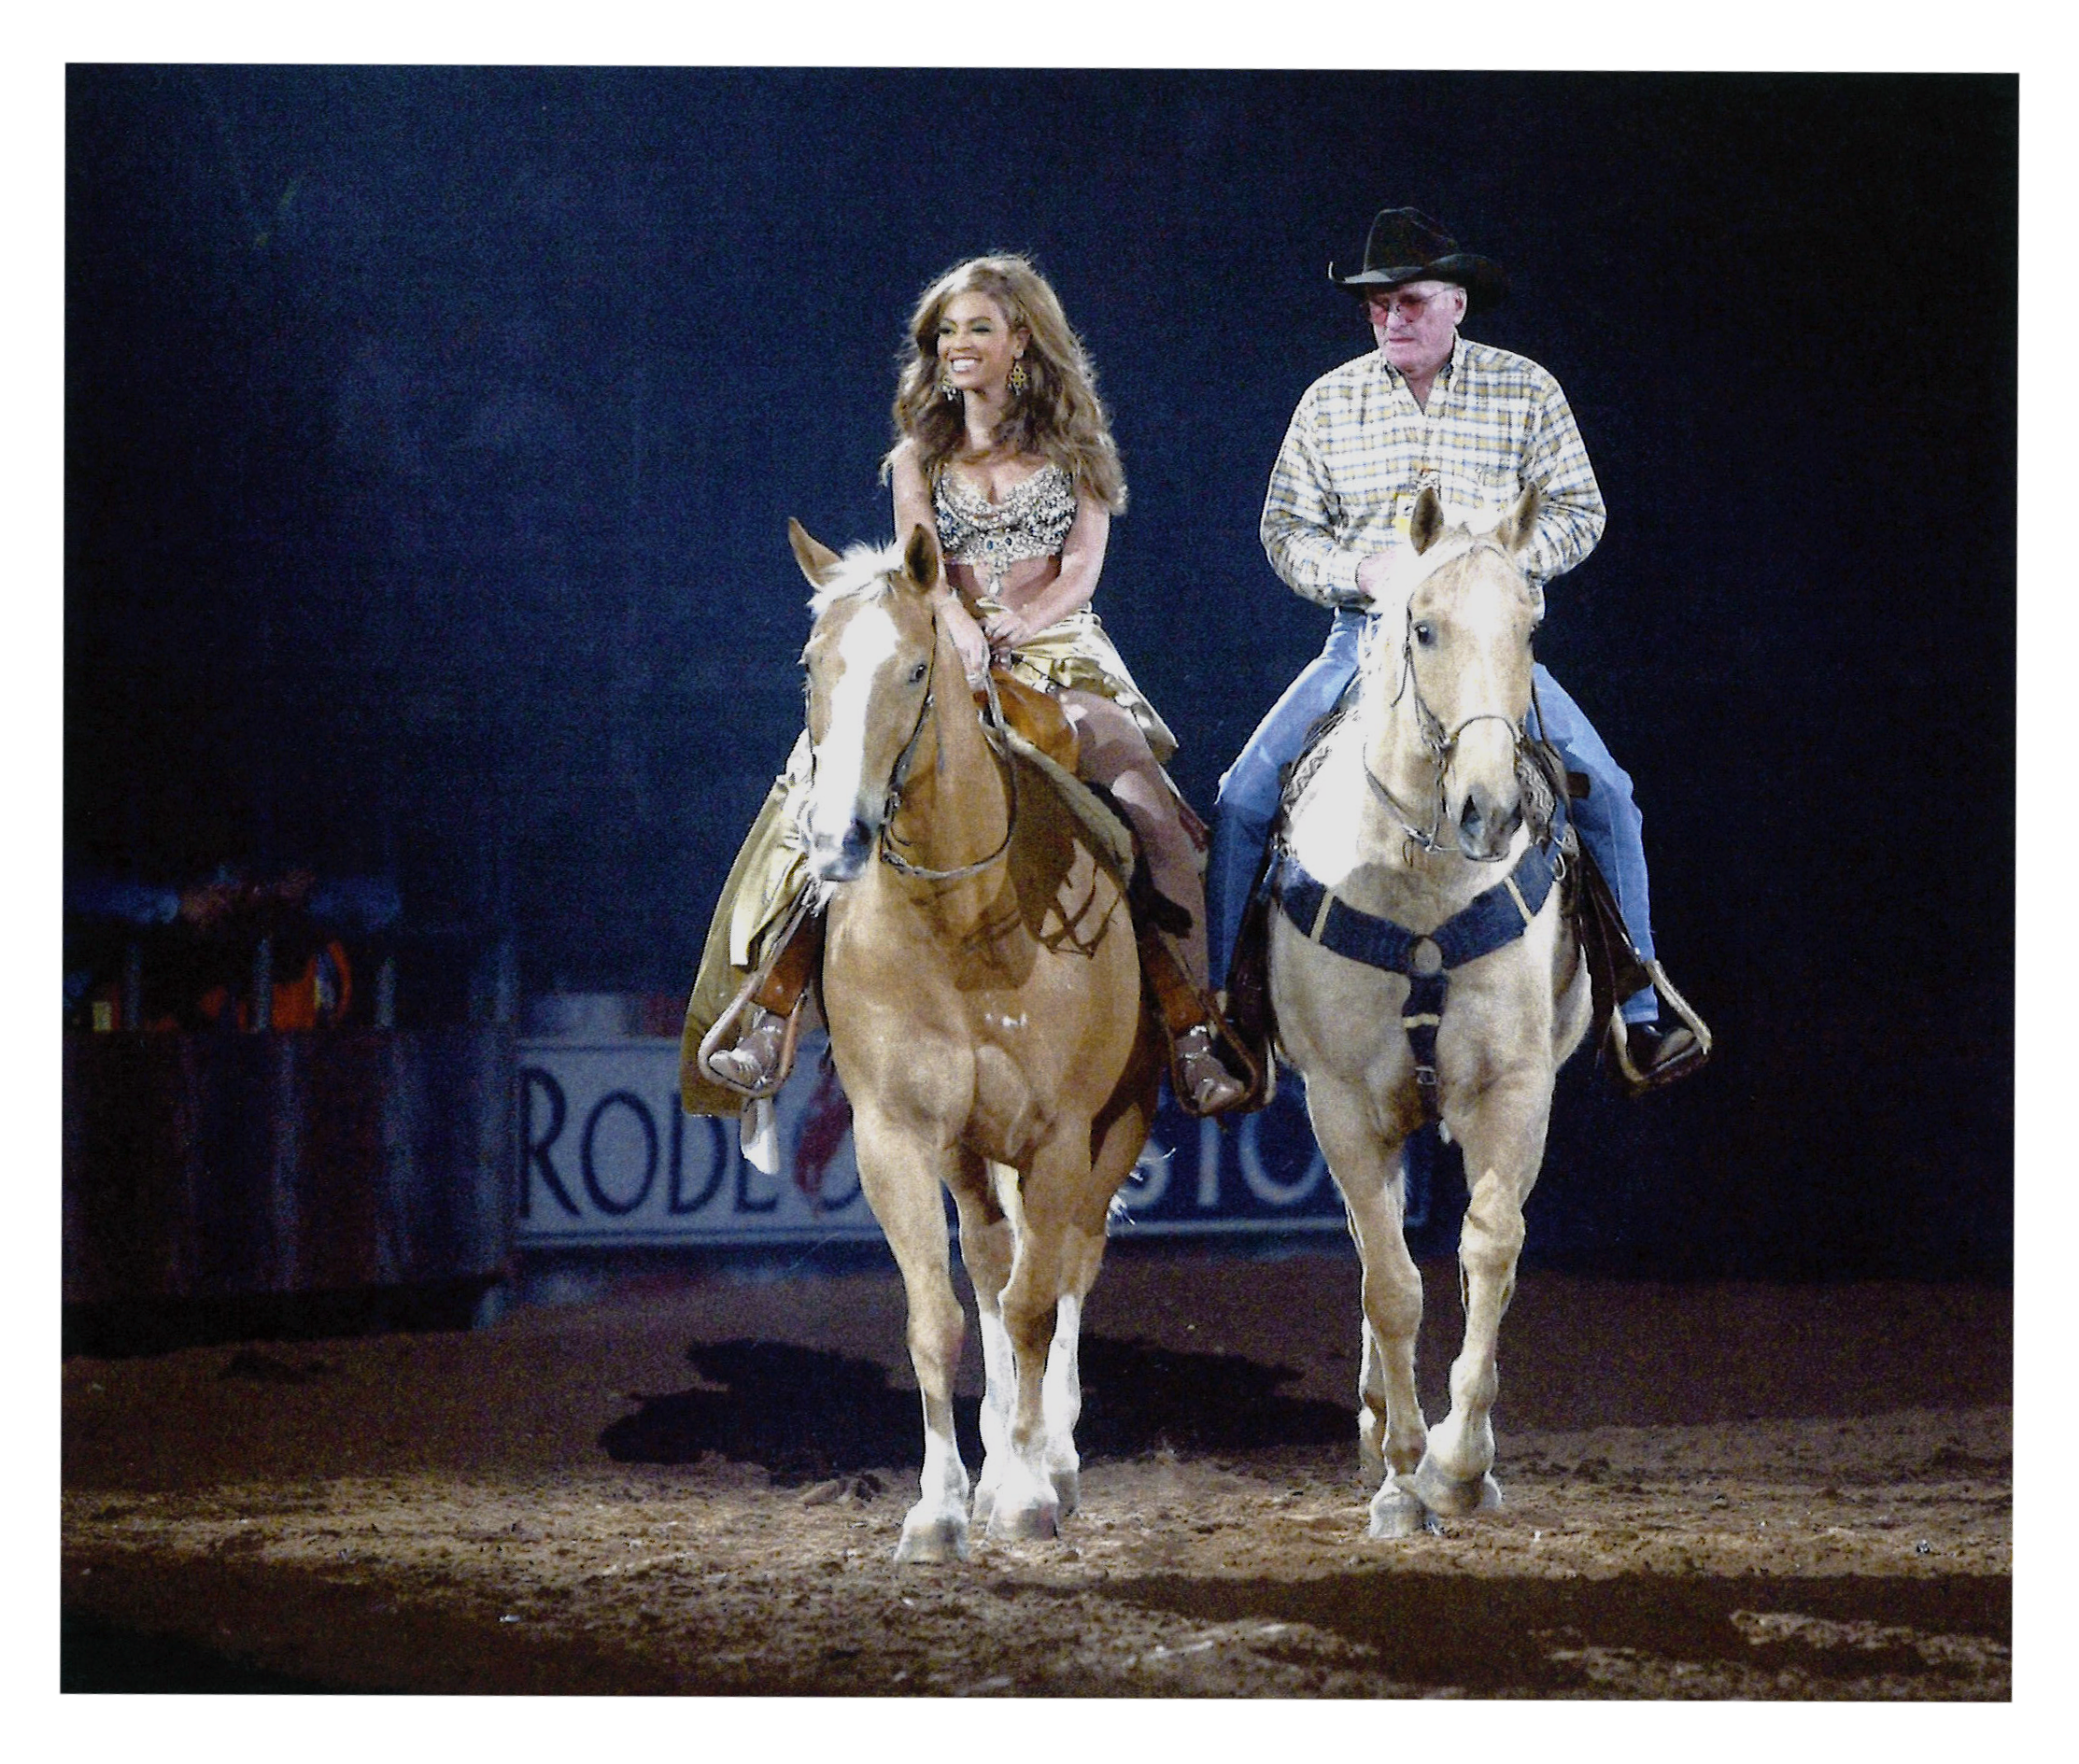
[1004, 448]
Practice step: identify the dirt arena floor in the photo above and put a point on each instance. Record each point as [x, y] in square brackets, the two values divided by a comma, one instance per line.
[693, 1483]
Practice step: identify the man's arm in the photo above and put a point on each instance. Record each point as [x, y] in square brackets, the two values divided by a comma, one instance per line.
[1570, 515]
[1299, 521]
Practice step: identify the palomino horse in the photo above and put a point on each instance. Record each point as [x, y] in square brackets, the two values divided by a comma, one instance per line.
[1424, 971]
[983, 993]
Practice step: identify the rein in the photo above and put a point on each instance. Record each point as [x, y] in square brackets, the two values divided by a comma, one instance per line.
[993, 725]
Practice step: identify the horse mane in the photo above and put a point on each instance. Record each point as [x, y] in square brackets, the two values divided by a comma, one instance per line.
[862, 574]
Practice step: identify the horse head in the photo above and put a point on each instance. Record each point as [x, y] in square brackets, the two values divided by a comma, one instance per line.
[1466, 666]
[869, 662]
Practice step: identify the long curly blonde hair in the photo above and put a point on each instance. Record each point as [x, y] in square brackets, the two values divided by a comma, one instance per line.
[1058, 415]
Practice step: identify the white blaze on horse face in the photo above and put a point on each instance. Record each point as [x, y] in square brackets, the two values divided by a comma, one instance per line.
[1492, 685]
[1468, 637]
[865, 646]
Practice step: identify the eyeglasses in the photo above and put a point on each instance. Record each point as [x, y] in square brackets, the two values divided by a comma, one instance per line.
[1385, 301]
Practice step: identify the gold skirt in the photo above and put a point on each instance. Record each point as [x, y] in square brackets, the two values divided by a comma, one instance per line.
[772, 869]
[1074, 653]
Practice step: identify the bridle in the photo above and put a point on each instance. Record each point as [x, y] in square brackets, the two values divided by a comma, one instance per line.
[891, 805]
[1441, 745]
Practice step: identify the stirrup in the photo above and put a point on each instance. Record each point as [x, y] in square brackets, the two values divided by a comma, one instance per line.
[764, 1083]
[1634, 1081]
[1204, 1085]
[753, 1064]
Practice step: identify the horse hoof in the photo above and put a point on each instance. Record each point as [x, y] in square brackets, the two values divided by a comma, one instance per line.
[1068, 1489]
[1396, 1513]
[1442, 1493]
[1034, 1524]
[932, 1537]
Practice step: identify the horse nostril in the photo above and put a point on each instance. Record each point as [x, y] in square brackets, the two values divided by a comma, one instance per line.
[840, 857]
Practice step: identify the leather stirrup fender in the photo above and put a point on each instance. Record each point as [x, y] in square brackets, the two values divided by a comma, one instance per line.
[1180, 1007]
[1616, 970]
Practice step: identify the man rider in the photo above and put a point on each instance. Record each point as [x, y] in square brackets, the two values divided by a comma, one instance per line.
[1428, 406]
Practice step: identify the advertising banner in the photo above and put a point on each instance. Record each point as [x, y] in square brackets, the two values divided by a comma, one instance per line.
[606, 1157]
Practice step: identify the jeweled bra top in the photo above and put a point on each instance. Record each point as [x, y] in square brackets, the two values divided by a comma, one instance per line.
[1031, 521]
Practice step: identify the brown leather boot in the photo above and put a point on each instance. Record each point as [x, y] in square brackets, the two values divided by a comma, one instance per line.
[754, 1061]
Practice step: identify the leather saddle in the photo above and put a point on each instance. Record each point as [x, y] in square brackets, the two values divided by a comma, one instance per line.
[1037, 717]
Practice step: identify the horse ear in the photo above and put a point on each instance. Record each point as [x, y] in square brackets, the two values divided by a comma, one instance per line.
[919, 557]
[817, 561]
[1520, 524]
[1427, 521]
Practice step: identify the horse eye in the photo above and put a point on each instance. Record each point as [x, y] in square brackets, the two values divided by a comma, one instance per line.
[1425, 633]
[916, 673]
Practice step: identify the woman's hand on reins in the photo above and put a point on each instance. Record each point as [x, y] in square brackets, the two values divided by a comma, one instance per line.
[967, 639]
[1006, 629]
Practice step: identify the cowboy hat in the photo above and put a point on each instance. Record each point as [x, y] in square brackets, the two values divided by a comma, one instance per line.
[1405, 245]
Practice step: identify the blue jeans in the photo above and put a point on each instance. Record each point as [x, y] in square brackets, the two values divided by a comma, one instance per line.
[1608, 819]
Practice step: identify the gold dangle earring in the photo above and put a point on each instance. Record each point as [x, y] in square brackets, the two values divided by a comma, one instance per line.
[1018, 380]
[947, 391]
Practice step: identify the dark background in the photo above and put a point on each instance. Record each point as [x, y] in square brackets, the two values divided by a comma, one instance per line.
[430, 435]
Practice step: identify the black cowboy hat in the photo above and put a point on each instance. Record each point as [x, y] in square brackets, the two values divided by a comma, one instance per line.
[1405, 245]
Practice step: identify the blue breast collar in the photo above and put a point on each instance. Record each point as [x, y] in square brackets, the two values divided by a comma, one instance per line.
[1493, 921]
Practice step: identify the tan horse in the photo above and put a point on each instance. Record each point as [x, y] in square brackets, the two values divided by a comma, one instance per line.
[984, 997]
[1415, 813]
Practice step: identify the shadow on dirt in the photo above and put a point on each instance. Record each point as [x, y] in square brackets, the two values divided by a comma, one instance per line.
[802, 1414]
[97, 1658]
[805, 1415]
[1482, 1635]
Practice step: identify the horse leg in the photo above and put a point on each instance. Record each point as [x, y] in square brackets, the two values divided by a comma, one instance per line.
[901, 1182]
[1390, 1429]
[1061, 1390]
[1119, 1143]
[1504, 1140]
[987, 1247]
[1061, 1404]
[1053, 1252]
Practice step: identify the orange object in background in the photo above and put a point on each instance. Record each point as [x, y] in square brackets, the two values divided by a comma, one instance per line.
[318, 998]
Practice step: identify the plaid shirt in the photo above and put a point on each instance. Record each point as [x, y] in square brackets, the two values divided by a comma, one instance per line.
[1360, 449]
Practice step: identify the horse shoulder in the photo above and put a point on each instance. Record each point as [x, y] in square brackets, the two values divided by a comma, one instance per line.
[1322, 829]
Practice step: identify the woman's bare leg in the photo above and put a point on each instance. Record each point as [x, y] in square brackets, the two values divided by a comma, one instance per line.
[1115, 753]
